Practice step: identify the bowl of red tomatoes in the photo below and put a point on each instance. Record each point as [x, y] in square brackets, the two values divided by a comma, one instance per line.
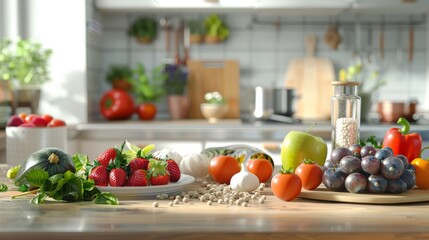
[27, 133]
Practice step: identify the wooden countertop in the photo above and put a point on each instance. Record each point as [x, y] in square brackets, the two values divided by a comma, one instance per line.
[275, 219]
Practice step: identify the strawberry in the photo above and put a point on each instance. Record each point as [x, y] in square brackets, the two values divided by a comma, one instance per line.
[138, 178]
[160, 179]
[174, 170]
[108, 155]
[158, 172]
[138, 163]
[117, 177]
[100, 175]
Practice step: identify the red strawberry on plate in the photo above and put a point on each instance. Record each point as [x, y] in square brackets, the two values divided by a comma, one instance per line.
[158, 172]
[138, 163]
[174, 170]
[138, 179]
[105, 157]
[160, 179]
[100, 175]
[117, 177]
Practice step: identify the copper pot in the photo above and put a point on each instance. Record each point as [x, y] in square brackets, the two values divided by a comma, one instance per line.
[391, 111]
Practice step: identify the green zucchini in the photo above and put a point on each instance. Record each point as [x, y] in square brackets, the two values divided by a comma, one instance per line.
[52, 160]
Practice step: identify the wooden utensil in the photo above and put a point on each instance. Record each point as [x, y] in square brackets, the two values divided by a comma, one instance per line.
[381, 42]
[208, 76]
[410, 196]
[311, 77]
[410, 44]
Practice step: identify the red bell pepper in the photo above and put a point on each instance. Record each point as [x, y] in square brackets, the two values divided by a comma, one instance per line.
[117, 105]
[402, 141]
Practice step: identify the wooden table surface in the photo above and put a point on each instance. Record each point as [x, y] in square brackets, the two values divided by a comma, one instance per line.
[275, 219]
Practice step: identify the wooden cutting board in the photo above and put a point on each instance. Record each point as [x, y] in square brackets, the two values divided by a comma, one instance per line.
[411, 196]
[311, 77]
[208, 76]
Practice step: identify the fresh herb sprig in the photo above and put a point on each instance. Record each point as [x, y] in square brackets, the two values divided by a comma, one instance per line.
[372, 140]
[67, 187]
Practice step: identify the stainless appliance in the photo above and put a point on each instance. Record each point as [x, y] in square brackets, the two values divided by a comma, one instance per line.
[274, 104]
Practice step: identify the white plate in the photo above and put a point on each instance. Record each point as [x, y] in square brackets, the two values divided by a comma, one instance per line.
[150, 191]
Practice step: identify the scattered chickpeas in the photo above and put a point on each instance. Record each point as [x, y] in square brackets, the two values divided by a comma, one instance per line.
[170, 204]
[244, 204]
[176, 201]
[209, 203]
[261, 200]
[155, 204]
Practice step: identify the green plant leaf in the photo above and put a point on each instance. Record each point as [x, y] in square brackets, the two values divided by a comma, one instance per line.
[37, 177]
[23, 188]
[80, 161]
[106, 198]
[39, 198]
[3, 187]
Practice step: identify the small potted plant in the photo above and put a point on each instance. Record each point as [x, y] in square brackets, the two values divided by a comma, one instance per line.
[144, 30]
[216, 30]
[197, 31]
[120, 77]
[176, 79]
[147, 91]
[214, 108]
[25, 65]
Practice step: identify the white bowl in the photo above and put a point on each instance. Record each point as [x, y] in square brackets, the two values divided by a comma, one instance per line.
[213, 112]
[22, 141]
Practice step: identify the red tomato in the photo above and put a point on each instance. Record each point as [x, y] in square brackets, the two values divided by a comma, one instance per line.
[39, 122]
[23, 116]
[286, 186]
[116, 105]
[262, 168]
[56, 123]
[30, 117]
[222, 168]
[146, 111]
[47, 117]
[311, 175]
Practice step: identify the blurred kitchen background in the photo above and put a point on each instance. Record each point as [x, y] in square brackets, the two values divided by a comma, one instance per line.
[265, 37]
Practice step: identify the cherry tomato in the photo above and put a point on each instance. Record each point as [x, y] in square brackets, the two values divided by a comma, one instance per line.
[286, 185]
[56, 123]
[30, 117]
[310, 173]
[222, 168]
[47, 117]
[39, 122]
[22, 116]
[262, 168]
[146, 111]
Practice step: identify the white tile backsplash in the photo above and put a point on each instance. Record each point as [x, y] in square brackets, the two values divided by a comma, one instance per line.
[265, 51]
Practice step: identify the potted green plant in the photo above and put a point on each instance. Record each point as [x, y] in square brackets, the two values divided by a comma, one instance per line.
[144, 30]
[175, 85]
[370, 82]
[120, 77]
[147, 90]
[197, 31]
[25, 65]
[214, 108]
[216, 30]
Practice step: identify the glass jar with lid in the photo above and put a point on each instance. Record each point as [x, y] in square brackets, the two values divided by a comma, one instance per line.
[345, 114]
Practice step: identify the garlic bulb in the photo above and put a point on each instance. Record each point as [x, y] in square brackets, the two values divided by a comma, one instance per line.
[167, 153]
[244, 181]
[195, 164]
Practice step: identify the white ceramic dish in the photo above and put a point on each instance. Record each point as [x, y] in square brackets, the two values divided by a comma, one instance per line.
[150, 191]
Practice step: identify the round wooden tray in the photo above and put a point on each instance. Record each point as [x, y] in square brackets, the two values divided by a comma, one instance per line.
[414, 195]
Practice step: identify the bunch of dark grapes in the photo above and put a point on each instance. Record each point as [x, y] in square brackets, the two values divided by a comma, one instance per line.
[360, 169]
